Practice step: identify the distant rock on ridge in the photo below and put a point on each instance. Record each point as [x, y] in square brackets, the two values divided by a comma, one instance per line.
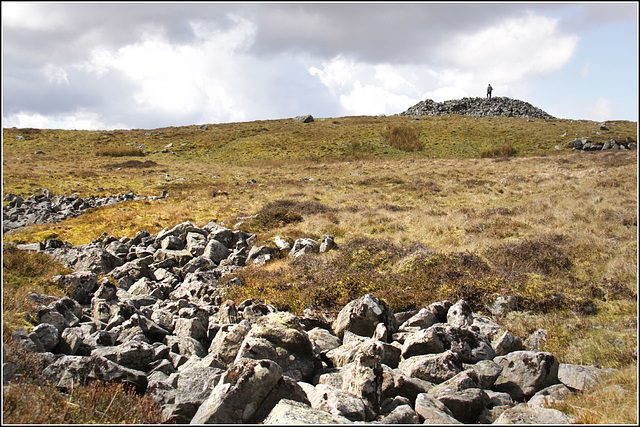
[477, 107]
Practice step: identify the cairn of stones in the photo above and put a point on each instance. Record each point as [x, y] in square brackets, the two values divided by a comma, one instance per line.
[586, 144]
[43, 207]
[148, 311]
[477, 107]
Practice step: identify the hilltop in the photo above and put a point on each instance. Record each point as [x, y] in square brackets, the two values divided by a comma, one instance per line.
[478, 107]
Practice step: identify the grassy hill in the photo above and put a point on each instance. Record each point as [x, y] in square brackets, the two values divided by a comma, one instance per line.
[457, 216]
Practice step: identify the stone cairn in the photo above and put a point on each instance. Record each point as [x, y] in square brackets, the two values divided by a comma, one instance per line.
[156, 321]
[44, 207]
[477, 107]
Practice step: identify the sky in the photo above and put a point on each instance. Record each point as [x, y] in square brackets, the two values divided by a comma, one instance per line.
[149, 65]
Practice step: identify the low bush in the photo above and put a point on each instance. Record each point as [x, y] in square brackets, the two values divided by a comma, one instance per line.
[403, 138]
[504, 150]
[546, 254]
[97, 403]
[120, 152]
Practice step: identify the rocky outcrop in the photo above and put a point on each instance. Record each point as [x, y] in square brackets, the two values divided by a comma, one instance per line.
[170, 335]
[587, 144]
[477, 107]
[44, 207]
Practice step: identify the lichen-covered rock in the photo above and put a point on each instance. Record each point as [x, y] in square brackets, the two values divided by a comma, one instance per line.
[526, 372]
[523, 414]
[292, 412]
[237, 396]
[435, 368]
[361, 316]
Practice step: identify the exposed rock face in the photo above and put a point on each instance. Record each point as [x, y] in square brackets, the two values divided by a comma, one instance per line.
[477, 107]
[165, 330]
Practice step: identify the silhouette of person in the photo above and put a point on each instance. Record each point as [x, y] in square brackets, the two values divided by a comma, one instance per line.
[489, 89]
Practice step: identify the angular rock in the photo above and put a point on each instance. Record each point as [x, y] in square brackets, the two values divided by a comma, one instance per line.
[579, 377]
[523, 414]
[361, 316]
[435, 368]
[526, 372]
[460, 314]
[549, 396]
[292, 412]
[240, 392]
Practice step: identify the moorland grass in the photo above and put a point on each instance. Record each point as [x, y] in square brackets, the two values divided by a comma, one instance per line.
[556, 229]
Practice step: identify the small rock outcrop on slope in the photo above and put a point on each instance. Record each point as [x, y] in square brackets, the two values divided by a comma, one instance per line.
[477, 107]
[45, 207]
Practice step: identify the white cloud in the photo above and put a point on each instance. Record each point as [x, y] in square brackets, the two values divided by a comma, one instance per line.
[511, 51]
[30, 16]
[183, 78]
[601, 109]
[55, 74]
[584, 72]
[445, 94]
[76, 120]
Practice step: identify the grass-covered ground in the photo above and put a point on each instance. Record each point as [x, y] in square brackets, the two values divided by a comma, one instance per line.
[555, 228]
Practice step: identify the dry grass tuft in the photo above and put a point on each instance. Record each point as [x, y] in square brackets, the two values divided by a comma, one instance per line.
[97, 403]
[403, 138]
[504, 150]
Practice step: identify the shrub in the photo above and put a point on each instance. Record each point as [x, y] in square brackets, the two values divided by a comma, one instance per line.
[544, 254]
[504, 150]
[97, 403]
[24, 272]
[403, 138]
[120, 152]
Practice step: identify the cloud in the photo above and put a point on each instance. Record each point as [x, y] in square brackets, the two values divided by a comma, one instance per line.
[159, 64]
[584, 71]
[76, 120]
[600, 110]
[512, 50]
[55, 74]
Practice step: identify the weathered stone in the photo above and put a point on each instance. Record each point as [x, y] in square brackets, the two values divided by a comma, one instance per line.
[292, 412]
[536, 340]
[432, 411]
[434, 368]
[361, 316]
[422, 319]
[523, 414]
[549, 396]
[236, 398]
[363, 379]
[336, 402]
[526, 372]
[226, 344]
[395, 383]
[68, 371]
[579, 377]
[502, 305]
[506, 343]
[133, 354]
[460, 314]
[215, 251]
[488, 372]
[403, 414]
[105, 370]
[48, 336]
[425, 341]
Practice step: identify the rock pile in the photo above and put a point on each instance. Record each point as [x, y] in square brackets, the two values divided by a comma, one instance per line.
[477, 107]
[44, 207]
[156, 321]
[586, 144]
